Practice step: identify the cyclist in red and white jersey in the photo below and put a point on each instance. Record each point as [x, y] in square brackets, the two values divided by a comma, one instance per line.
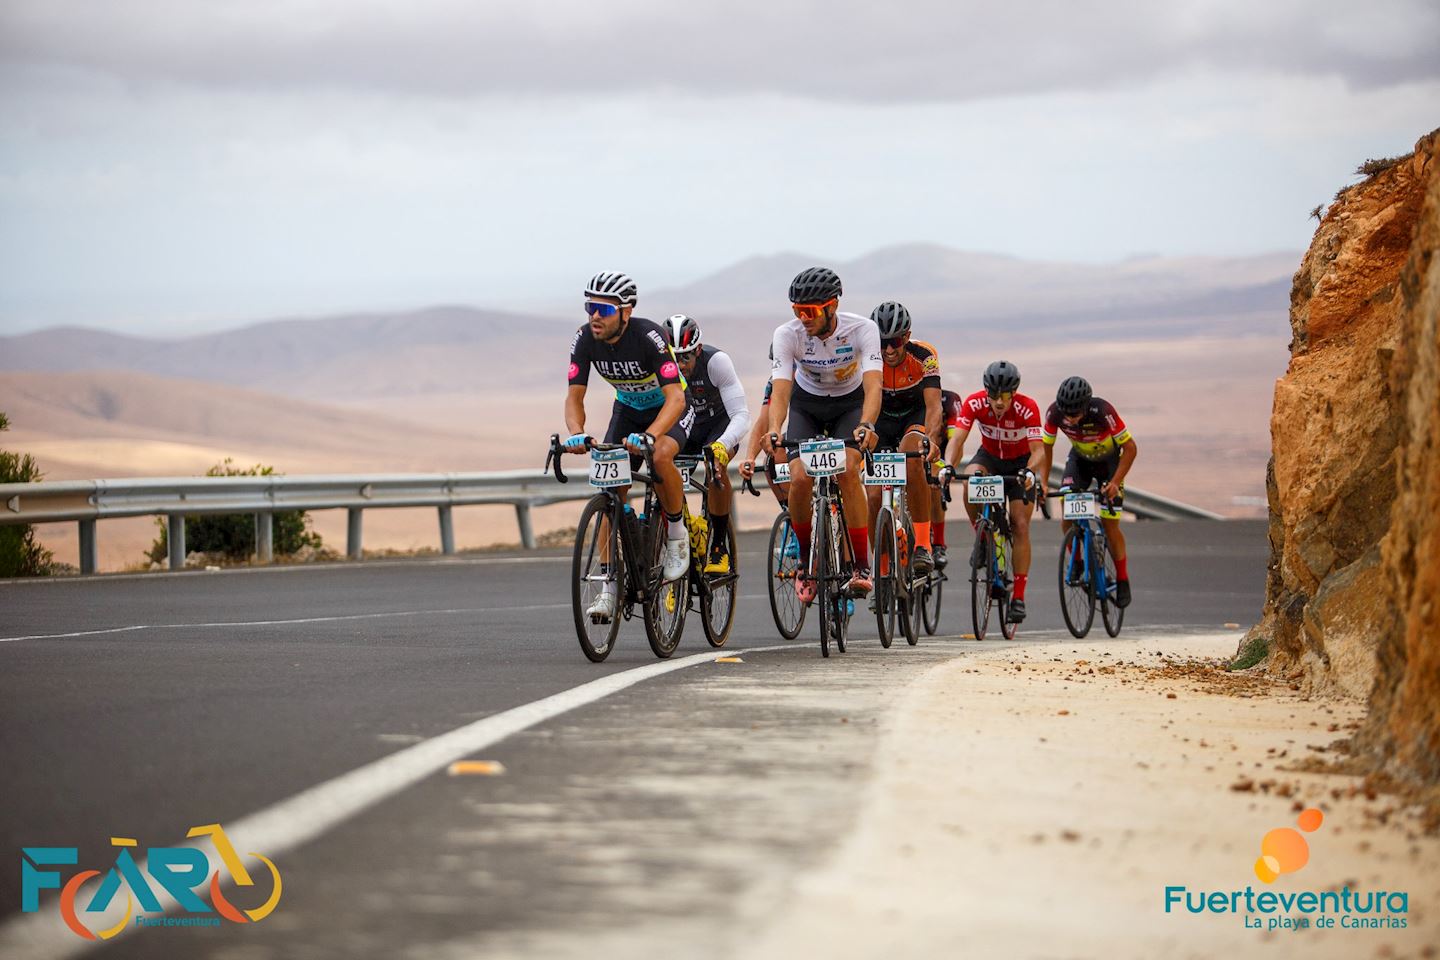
[826, 379]
[1011, 445]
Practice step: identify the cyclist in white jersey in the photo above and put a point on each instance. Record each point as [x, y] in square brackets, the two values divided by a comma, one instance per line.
[826, 379]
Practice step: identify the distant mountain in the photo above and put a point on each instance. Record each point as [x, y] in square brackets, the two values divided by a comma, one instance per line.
[986, 302]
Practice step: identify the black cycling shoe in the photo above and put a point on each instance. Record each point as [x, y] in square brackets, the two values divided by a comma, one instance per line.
[977, 554]
[921, 562]
[1122, 593]
[940, 559]
[1015, 613]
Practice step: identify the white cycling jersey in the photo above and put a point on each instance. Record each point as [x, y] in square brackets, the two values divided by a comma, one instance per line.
[831, 367]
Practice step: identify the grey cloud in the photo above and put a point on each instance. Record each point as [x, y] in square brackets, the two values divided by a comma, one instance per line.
[917, 51]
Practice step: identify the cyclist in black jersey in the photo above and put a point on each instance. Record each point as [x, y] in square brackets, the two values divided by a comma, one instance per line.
[650, 404]
[721, 418]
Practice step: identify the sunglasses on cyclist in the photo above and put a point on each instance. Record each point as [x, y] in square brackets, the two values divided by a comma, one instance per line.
[892, 343]
[1000, 396]
[813, 311]
[602, 310]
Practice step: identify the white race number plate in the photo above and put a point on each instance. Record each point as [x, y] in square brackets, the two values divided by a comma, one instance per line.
[782, 472]
[1079, 506]
[987, 489]
[609, 468]
[886, 470]
[823, 458]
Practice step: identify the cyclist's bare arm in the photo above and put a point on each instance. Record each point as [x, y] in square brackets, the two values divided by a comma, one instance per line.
[671, 412]
[871, 380]
[1128, 452]
[1049, 460]
[758, 429]
[1037, 460]
[779, 405]
[575, 409]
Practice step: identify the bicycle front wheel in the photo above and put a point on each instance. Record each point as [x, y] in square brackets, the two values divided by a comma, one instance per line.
[1077, 585]
[885, 577]
[666, 602]
[820, 570]
[717, 596]
[930, 603]
[1004, 581]
[1110, 612]
[782, 566]
[980, 584]
[839, 593]
[597, 537]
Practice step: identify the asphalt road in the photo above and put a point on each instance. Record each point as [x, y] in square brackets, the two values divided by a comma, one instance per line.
[144, 705]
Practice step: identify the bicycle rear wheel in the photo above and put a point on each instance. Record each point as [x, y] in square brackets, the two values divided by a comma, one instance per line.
[666, 602]
[1077, 584]
[782, 566]
[838, 590]
[886, 573]
[1113, 615]
[717, 596]
[980, 584]
[1004, 558]
[930, 598]
[597, 533]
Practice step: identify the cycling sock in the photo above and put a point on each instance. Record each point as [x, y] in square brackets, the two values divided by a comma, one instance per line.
[802, 533]
[860, 543]
[1121, 573]
[922, 534]
[719, 524]
[938, 533]
[676, 526]
[1020, 579]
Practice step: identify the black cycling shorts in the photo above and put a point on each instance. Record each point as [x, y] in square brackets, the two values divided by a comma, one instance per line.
[891, 429]
[1009, 469]
[626, 420]
[704, 435]
[814, 416]
[1081, 473]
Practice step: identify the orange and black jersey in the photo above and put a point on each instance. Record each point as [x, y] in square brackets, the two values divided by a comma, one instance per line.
[905, 383]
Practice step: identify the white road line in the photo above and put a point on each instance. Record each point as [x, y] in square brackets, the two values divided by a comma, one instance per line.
[276, 623]
[310, 813]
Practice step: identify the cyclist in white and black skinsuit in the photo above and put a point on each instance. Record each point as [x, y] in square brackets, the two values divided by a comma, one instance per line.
[826, 378]
[721, 419]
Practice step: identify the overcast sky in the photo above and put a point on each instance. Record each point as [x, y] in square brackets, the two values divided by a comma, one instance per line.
[175, 165]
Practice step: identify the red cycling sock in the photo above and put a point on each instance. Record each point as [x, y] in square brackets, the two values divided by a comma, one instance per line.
[860, 543]
[802, 533]
[1121, 571]
[937, 532]
[922, 534]
[1020, 579]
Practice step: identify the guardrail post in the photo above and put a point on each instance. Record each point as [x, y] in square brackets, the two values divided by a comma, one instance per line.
[447, 531]
[265, 537]
[353, 533]
[176, 536]
[89, 555]
[527, 532]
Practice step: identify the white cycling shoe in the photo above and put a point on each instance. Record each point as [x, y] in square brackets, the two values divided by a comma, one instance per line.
[677, 558]
[602, 610]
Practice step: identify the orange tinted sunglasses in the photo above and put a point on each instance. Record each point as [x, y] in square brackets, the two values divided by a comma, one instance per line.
[813, 311]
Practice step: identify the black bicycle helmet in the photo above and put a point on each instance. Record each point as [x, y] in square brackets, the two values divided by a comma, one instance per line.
[815, 285]
[892, 318]
[1002, 376]
[1073, 395]
[613, 285]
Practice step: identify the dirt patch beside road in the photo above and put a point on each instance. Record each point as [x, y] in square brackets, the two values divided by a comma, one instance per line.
[1037, 801]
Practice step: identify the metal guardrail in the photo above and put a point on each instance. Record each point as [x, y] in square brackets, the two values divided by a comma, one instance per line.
[89, 501]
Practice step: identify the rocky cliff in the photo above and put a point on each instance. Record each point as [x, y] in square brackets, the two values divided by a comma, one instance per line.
[1353, 599]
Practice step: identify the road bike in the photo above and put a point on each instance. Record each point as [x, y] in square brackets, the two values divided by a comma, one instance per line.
[1087, 565]
[992, 582]
[832, 562]
[900, 592]
[618, 550]
[712, 594]
[932, 591]
[782, 560]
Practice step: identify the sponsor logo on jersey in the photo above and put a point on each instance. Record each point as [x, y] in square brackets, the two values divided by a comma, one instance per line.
[574, 370]
[669, 369]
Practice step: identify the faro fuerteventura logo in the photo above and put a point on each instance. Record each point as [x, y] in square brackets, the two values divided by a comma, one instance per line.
[1285, 850]
[178, 871]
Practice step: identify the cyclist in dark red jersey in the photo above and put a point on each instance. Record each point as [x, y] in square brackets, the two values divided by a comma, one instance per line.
[1010, 446]
[949, 413]
[1101, 451]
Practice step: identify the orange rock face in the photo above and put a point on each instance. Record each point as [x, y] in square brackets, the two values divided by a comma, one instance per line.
[1353, 598]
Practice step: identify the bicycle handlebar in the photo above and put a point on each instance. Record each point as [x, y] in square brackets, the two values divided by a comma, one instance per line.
[557, 450]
